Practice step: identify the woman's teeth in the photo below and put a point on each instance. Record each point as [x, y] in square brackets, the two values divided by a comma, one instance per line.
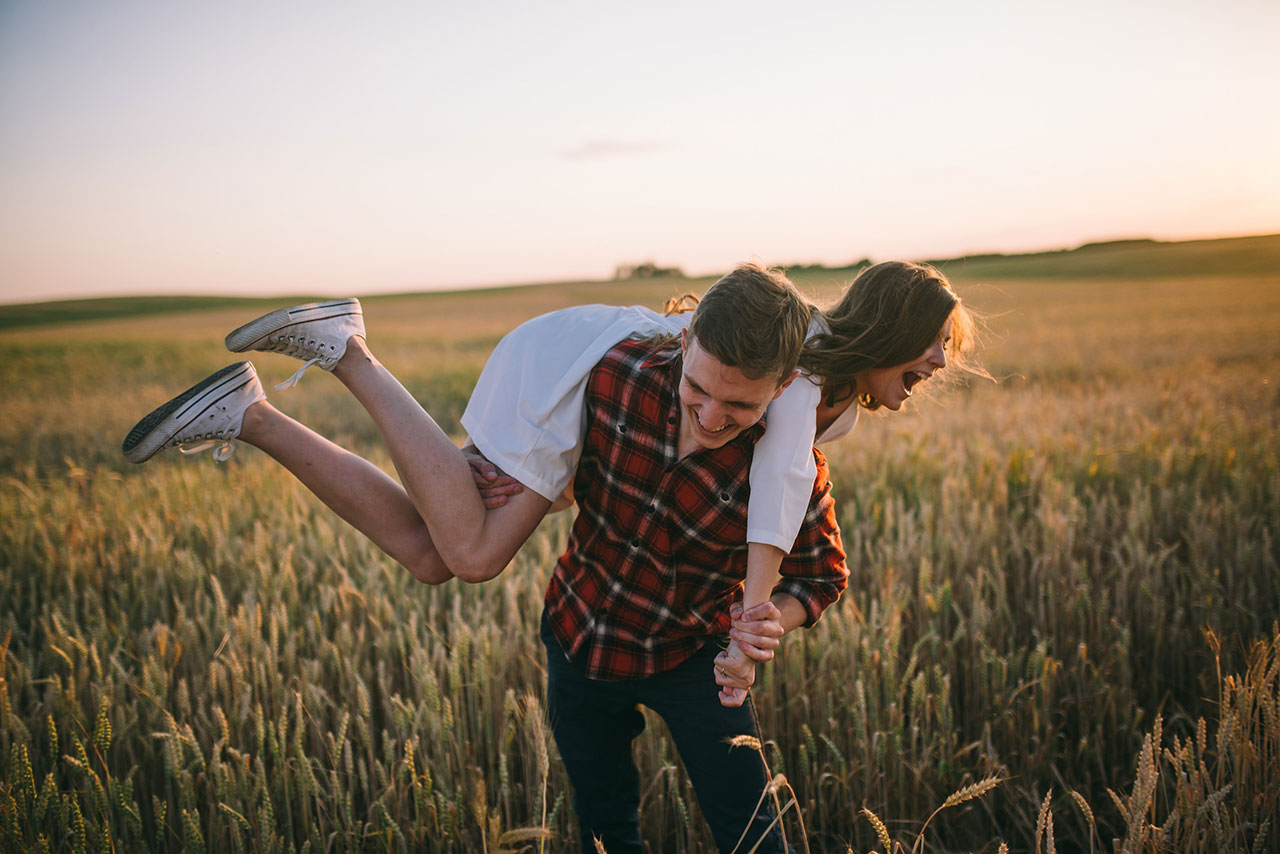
[911, 378]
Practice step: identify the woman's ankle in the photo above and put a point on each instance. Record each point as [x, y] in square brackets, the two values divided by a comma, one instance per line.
[357, 355]
[256, 423]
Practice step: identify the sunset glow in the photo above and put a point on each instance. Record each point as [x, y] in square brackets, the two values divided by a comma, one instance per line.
[150, 147]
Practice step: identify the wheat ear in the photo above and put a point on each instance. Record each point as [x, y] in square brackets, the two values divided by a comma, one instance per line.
[882, 832]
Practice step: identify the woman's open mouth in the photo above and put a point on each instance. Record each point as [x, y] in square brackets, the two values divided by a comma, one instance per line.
[911, 379]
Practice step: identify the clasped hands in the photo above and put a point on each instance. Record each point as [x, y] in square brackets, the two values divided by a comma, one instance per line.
[494, 484]
[753, 637]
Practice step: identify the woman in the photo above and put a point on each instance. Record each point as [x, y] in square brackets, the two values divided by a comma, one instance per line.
[891, 330]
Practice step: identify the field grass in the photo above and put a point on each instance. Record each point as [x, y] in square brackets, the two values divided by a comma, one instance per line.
[1067, 581]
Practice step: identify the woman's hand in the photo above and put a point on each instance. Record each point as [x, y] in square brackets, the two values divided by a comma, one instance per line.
[755, 635]
[735, 674]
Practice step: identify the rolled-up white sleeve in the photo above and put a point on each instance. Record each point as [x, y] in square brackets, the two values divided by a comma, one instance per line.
[782, 467]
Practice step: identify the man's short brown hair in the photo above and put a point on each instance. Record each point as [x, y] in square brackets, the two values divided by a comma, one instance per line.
[753, 319]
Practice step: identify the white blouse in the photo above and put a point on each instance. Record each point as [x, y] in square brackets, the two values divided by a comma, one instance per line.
[526, 412]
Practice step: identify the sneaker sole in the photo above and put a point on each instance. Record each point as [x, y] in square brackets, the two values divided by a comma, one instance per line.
[146, 437]
[246, 336]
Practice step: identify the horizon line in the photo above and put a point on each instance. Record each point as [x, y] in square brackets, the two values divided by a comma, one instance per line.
[484, 286]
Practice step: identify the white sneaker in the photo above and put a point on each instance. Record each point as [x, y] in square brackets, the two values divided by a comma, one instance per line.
[316, 332]
[209, 413]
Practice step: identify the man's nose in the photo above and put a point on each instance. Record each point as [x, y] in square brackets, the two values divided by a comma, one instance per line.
[713, 414]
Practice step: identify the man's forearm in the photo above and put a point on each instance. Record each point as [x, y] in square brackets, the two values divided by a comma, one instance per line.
[793, 613]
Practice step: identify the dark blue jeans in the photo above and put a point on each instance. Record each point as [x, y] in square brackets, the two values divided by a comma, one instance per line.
[595, 722]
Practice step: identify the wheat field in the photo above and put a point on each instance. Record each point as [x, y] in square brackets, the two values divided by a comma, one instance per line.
[1060, 631]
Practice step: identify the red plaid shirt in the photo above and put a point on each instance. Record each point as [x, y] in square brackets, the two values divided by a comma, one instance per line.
[658, 551]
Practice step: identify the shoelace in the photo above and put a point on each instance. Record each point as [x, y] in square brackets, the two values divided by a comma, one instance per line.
[297, 375]
[222, 450]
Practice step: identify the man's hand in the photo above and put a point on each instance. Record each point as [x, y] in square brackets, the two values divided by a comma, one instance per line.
[758, 631]
[755, 636]
[493, 483]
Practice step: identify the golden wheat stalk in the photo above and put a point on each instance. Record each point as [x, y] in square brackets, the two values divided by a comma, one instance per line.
[1084, 807]
[1041, 818]
[882, 832]
[968, 793]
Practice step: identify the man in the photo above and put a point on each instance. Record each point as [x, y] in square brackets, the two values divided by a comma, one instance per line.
[640, 596]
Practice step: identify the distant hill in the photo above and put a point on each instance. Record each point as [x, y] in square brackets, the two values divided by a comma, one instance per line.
[1116, 259]
[1128, 259]
[1138, 258]
[108, 308]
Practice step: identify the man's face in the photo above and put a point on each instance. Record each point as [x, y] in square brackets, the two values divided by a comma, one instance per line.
[718, 402]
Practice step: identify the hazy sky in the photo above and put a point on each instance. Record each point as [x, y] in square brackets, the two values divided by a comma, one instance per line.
[335, 147]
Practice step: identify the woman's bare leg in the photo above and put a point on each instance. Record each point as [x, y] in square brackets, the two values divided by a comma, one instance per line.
[351, 486]
[475, 543]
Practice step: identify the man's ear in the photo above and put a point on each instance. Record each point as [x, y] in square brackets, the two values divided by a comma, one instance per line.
[684, 340]
[788, 381]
